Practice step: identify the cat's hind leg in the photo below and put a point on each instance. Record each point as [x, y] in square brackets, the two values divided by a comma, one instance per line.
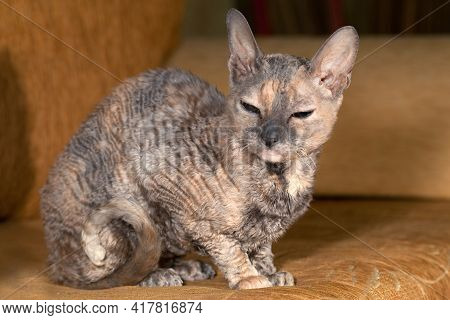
[162, 277]
[175, 271]
[193, 270]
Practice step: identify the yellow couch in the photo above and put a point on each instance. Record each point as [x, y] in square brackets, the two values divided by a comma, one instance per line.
[380, 227]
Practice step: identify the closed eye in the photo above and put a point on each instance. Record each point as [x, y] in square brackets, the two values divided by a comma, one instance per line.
[302, 114]
[250, 108]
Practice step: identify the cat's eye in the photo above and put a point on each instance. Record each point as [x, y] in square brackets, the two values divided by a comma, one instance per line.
[302, 114]
[250, 108]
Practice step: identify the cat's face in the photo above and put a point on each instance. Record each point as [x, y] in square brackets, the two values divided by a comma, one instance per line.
[284, 107]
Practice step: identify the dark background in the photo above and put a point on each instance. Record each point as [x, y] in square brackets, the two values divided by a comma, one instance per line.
[314, 17]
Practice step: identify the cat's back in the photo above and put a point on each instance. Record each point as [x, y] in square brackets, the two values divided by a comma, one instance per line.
[152, 97]
[173, 92]
[88, 167]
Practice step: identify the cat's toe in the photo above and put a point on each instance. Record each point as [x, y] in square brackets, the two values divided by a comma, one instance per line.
[282, 278]
[162, 278]
[193, 270]
[253, 282]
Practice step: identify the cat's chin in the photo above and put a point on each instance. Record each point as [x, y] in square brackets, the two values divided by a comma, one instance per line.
[277, 168]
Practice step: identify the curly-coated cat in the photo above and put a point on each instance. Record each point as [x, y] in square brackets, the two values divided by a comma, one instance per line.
[167, 165]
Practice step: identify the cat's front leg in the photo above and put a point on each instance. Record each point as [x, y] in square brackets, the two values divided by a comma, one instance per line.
[235, 264]
[262, 260]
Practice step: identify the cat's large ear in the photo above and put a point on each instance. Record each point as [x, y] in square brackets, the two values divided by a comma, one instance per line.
[332, 64]
[243, 48]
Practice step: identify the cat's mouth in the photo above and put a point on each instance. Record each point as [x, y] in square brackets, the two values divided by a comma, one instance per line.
[272, 156]
[274, 160]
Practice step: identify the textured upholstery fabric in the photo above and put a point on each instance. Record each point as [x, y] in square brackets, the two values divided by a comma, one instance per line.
[403, 252]
[47, 89]
[392, 136]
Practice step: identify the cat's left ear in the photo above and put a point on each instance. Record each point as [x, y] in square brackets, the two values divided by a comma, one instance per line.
[244, 51]
[333, 63]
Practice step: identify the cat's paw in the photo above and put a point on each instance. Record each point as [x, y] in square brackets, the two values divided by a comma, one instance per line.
[253, 282]
[162, 278]
[193, 270]
[282, 278]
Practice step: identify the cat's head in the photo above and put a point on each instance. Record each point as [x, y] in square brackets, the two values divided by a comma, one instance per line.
[284, 107]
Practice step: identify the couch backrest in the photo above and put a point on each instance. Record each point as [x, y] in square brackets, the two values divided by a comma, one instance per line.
[47, 88]
[392, 138]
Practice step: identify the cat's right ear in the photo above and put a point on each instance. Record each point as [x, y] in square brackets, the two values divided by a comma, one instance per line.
[244, 51]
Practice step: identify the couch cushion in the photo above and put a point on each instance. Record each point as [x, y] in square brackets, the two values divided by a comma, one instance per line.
[341, 249]
[47, 89]
[392, 137]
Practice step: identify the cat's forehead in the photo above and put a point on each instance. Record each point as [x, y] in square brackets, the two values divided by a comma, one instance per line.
[283, 66]
[285, 81]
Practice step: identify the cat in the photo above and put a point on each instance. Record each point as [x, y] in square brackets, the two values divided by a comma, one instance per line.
[167, 165]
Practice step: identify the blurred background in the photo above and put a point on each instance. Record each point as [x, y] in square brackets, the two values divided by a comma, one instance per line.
[315, 17]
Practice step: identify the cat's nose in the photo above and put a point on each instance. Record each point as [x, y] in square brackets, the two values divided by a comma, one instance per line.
[271, 135]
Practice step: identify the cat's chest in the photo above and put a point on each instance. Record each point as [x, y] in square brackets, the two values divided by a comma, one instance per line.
[258, 229]
[266, 220]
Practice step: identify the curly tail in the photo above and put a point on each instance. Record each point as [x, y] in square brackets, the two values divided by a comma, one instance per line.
[112, 263]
